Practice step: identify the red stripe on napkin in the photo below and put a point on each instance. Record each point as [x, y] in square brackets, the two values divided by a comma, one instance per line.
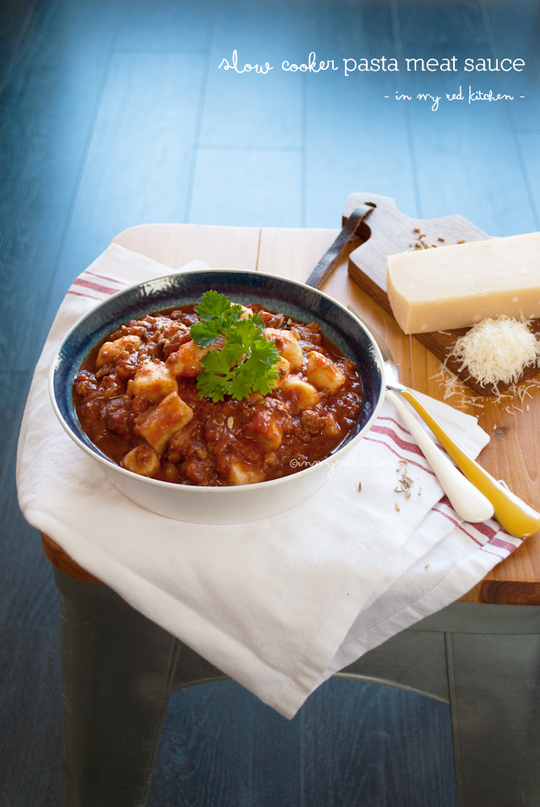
[94, 286]
[486, 530]
[395, 422]
[503, 544]
[406, 446]
[398, 455]
[458, 525]
[105, 277]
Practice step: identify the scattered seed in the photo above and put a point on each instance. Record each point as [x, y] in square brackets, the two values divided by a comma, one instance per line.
[418, 245]
[230, 422]
[427, 565]
[440, 239]
[397, 507]
[416, 230]
[462, 241]
[420, 492]
[359, 487]
[434, 246]
[408, 494]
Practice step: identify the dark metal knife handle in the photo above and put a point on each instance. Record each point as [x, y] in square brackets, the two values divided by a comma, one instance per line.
[328, 262]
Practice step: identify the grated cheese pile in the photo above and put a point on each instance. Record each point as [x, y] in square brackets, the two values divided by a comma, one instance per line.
[497, 350]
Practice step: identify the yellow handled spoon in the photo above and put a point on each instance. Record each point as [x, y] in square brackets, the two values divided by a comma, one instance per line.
[511, 512]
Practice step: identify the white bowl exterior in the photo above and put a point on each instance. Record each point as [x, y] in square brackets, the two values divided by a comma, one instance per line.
[226, 505]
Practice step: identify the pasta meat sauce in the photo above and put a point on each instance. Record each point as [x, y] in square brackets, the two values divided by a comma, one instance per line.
[138, 398]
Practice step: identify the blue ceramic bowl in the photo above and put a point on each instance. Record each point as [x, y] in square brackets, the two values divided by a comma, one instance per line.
[225, 504]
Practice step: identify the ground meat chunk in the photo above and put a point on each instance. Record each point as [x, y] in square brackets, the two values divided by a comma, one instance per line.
[126, 367]
[311, 422]
[105, 369]
[116, 412]
[310, 333]
[199, 471]
[187, 443]
[272, 320]
[111, 387]
[175, 340]
[85, 384]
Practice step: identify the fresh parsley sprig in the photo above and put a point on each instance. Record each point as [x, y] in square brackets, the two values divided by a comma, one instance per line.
[246, 362]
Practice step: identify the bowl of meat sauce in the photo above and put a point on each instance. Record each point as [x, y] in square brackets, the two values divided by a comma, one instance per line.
[217, 396]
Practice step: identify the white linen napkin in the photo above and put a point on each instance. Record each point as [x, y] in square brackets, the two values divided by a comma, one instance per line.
[279, 604]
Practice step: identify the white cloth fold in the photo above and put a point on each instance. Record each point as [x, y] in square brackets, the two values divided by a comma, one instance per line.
[280, 604]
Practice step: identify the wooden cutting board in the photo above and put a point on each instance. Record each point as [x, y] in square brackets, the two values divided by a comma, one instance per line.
[388, 231]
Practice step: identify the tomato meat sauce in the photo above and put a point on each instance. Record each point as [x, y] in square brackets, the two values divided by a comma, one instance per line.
[137, 400]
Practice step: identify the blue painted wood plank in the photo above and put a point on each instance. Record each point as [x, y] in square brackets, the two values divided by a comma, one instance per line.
[26, 580]
[221, 745]
[15, 16]
[356, 140]
[28, 594]
[30, 746]
[530, 148]
[248, 187]
[46, 111]
[515, 31]
[13, 393]
[250, 108]
[372, 745]
[466, 153]
[165, 25]
[139, 160]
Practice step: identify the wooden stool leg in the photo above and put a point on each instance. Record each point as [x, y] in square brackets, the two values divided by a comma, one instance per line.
[495, 699]
[117, 669]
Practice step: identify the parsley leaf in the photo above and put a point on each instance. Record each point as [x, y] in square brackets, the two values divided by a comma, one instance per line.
[245, 362]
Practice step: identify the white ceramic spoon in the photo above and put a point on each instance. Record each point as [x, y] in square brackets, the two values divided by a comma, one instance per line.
[465, 498]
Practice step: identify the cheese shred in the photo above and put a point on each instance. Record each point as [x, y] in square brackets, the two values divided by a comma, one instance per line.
[497, 351]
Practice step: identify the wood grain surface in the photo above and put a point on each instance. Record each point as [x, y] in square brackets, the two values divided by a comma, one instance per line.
[289, 252]
[388, 231]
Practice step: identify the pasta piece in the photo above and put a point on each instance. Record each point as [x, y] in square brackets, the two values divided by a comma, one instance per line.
[283, 368]
[331, 428]
[157, 425]
[186, 361]
[301, 394]
[240, 473]
[109, 351]
[142, 460]
[287, 346]
[153, 379]
[323, 373]
[266, 429]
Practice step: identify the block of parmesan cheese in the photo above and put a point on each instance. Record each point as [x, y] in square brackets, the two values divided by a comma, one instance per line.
[454, 287]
